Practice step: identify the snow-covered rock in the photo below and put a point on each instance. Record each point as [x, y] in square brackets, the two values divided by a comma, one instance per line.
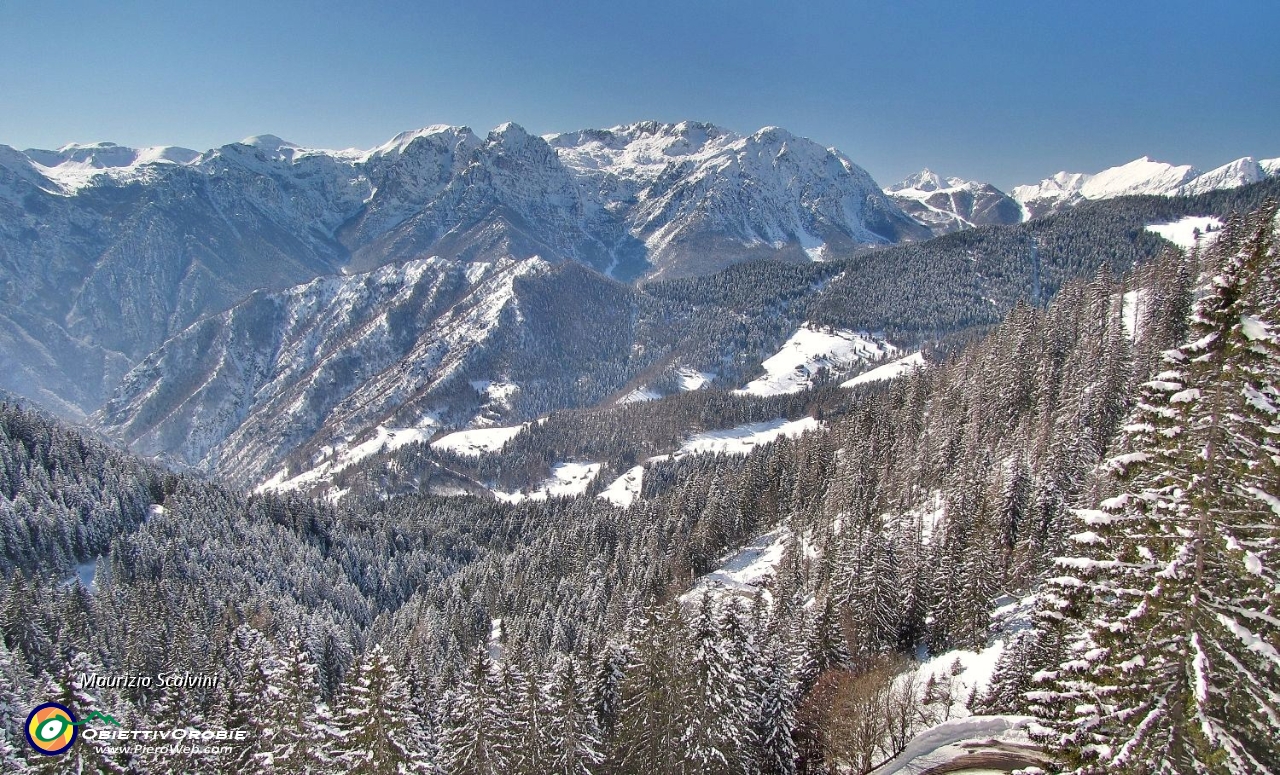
[1240, 172]
[319, 365]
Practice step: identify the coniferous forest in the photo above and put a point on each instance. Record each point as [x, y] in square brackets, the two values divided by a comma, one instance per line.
[1086, 491]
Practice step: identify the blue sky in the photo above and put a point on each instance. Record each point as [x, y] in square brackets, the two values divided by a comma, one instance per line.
[1007, 92]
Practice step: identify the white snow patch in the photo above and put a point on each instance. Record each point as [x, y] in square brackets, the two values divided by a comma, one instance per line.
[891, 370]
[566, 481]
[693, 380]
[1254, 329]
[1183, 232]
[926, 515]
[624, 490]
[495, 642]
[497, 392]
[750, 568]
[478, 441]
[640, 395]
[1131, 306]
[86, 573]
[970, 673]
[809, 349]
[744, 438]
[335, 459]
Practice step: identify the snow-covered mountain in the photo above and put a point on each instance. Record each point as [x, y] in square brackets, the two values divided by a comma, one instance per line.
[416, 346]
[75, 166]
[107, 251]
[1240, 172]
[1138, 177]
[705, 197]
[952, 204]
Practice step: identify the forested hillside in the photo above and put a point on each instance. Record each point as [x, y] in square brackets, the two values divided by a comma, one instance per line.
[1112, 454]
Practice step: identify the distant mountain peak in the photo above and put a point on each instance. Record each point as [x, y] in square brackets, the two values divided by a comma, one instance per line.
[924, 180]
[1142, 176]
[268, 142]
[949, 204]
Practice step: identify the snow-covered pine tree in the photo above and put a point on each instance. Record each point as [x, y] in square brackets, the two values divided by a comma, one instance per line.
[473, 723]
[714, 709]
[246, 702]
[648, 729]
[776, 752]
[1172, 606]
[606, 687]
[304, 730]
[573, 738]
[13, 710]
[374, 721]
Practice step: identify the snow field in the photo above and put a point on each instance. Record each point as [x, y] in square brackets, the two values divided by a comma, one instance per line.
[625, 489]
[888, 371]
[744, 438]
[566, 480]
[1182, 232]
[809, 349]
[478, 441]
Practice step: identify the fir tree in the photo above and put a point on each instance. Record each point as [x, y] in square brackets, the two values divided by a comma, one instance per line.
[1171, 606]
[374, 720]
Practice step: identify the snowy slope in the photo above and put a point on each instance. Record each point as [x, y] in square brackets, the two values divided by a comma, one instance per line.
[340, 457]
[566, 481]
[1187, 231]
[1140, 176]
[701, 192]
[317, 365]
[809, 350]
[742, 439]
[76, 165]
[477, 441]
[624, 490]
[887, 371]
[747, 570]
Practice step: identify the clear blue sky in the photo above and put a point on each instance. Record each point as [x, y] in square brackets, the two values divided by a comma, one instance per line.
[1007, 92]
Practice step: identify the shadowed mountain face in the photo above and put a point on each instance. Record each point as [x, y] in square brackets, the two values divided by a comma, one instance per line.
[106, 251]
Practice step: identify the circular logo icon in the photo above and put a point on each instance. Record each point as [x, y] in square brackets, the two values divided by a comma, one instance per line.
[51, 728]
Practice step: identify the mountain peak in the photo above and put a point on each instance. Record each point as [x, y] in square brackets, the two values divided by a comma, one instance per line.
[268, 142]
[402, 141]
[924, 180]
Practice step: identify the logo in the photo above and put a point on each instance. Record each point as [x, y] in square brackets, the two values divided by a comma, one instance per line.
[51, 729]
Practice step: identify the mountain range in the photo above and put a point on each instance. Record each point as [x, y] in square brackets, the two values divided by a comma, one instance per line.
[1143, 176]
[262, 302]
